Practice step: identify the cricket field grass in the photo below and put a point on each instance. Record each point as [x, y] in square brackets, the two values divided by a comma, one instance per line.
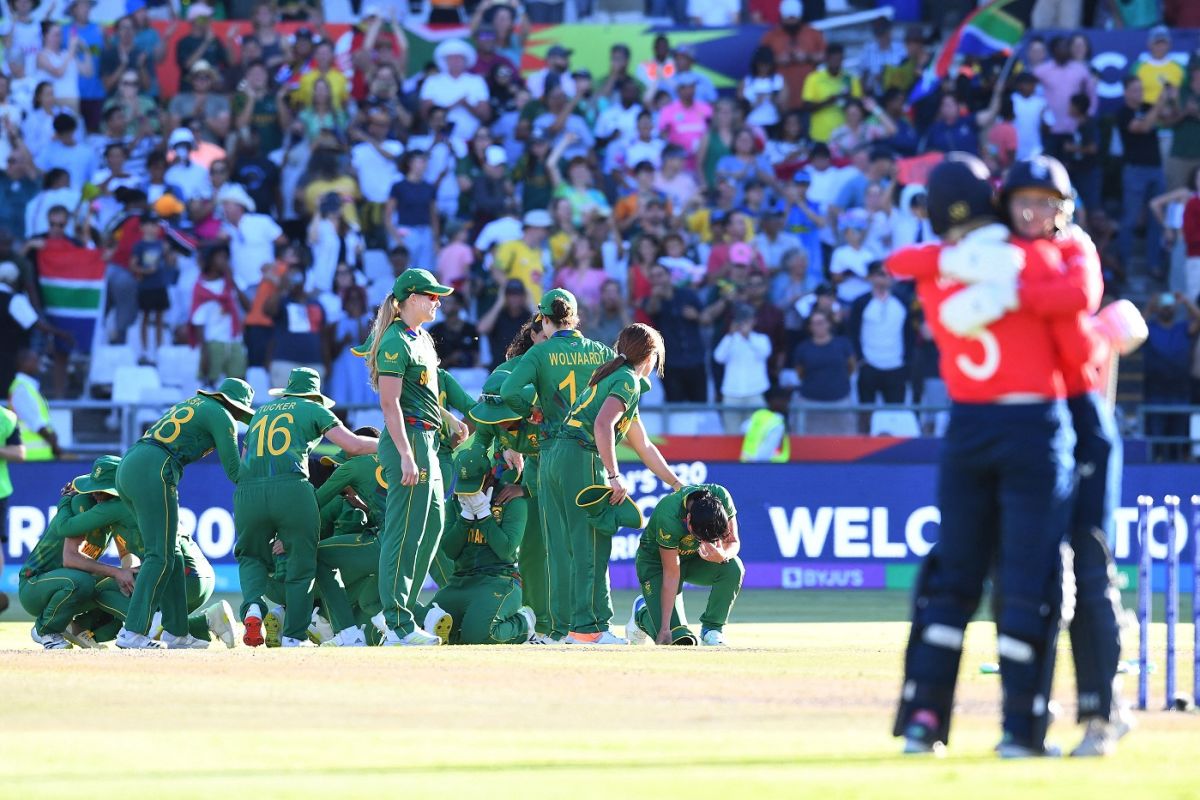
[798, 706]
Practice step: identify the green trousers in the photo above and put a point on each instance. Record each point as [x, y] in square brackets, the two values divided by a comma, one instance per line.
[725, 580]
[55, 597]
[356, 557]
[283, 506]
[199, 582]
[412, 517]
[531, 560]
[485, 610]
[148, 480]
[576, 554]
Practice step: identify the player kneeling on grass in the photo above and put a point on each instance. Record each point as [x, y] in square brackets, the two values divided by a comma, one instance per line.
[274, 498]
[58, 581]
[356, 484]
[691, 536]
[482, 602]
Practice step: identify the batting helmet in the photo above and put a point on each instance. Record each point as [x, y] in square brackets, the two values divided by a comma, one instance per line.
[959, 191]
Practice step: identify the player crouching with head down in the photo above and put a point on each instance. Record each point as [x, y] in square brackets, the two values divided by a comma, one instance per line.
[691, 536]
[482, 601]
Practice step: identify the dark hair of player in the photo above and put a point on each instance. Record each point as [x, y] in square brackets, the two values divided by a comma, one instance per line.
[523, 340]
[707, 519]
[563, 315]
[635, 344]
[367, 430]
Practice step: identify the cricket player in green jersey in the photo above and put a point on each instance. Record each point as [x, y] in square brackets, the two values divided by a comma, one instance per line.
[148, 482]
[558, 369]
[692, 536]
[605, 414]
[275, 499]
[352, 553]
[483, 598]
[58, 582]
[11, 449]
[404, 370]
[452, 397]
[500, 431]
[96, 515]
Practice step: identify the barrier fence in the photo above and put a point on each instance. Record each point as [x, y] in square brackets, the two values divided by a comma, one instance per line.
[803, 526]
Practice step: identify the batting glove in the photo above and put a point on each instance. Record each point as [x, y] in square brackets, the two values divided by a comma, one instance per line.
[1122, 324]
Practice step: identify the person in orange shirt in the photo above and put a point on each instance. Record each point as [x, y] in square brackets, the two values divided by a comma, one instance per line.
[259, 330]
[628, 210]
[798, 49]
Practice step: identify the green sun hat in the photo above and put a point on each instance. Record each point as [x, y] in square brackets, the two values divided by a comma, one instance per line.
[304, 382]
[417, 281]
[546, 306]
[471, 467]
[604, 516]
[491, 410]
[102, 478]
[236, 395]
[363, 350]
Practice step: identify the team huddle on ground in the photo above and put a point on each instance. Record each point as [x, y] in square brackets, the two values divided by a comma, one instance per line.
[512, 514]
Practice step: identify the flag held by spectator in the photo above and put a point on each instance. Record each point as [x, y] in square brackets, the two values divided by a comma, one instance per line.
[72, 279]
[994, 28]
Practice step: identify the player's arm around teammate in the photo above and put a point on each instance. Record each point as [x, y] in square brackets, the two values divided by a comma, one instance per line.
[606, 413]
[403, 365]
[148, 482]
[274, 498]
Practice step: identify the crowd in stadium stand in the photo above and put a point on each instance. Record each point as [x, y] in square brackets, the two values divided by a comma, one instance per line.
[261, 211]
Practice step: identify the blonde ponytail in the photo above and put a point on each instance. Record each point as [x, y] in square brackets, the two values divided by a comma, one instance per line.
[388, 311]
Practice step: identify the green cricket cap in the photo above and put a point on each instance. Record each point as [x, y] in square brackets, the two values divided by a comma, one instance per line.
[102, 478]
[417, 281]
[546, 306]
[470, 469]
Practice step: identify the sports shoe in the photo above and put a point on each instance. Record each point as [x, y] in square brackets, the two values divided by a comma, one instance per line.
[55, 641]
[1123, 721]
[273, 626]
[33, 634]
[253, 636]
[128, 640]
[920, 737]
[541, 638]
[81, 637]
[530, 621]
[438, 622]
[350, 637]
[418, 638]
[287, 641]
[633, 633]
[320, 631]
[1010, 748]
[1099, 739]
[156, 626]
[380, 624]
[185, 642]
[599, 638]
[220, 619]
[711, 638]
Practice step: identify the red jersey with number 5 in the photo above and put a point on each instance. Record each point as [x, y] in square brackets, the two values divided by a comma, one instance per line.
[1015, 355]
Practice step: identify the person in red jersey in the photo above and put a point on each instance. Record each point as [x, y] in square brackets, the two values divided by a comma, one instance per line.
[1006, 474]
[1036, 200]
